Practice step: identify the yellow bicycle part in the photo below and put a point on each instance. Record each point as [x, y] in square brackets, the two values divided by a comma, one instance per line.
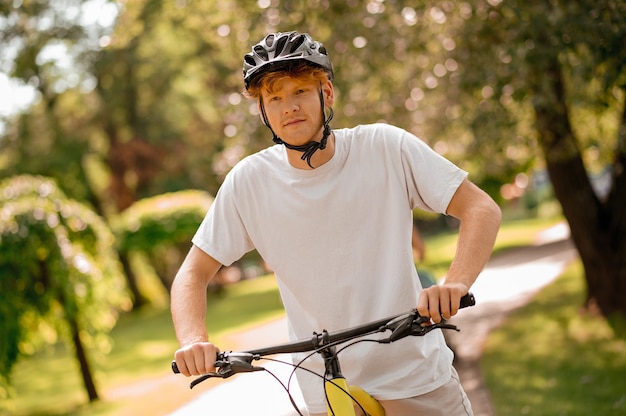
[341, 404]
[371, 405]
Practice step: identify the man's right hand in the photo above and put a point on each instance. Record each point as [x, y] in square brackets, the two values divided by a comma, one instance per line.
[196, 359]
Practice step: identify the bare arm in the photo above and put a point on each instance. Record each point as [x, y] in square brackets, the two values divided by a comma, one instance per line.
[480, 220]
[188, 306]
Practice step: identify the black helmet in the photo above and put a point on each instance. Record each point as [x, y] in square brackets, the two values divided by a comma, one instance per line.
[276, 49]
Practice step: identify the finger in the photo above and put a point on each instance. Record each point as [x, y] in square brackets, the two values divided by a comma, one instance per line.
[455, 302]
[209, 359]
[433, 305]
[422, 304]
[181, 363]
[195, 358]
[198, 357]
[191, 364]
[444, 304]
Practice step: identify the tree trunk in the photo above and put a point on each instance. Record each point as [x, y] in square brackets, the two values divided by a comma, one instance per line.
[131, 279]
[121, 170]
[597, 226]
[81, 356]
[72, 323]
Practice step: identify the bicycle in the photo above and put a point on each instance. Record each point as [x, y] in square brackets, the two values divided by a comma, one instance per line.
[341, 399]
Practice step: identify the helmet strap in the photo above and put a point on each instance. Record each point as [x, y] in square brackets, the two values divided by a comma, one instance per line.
[311, 147]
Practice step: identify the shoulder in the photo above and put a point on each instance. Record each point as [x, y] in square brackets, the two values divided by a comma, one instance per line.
[380, 135]
[252, 172]
[375, 130]
[260, 161]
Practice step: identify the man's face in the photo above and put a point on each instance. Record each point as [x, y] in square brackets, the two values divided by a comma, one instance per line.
[294, 111]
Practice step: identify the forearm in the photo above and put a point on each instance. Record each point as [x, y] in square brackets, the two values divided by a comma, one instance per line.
[477, 236]
[188, 308]
[480, 219]
[188, 296]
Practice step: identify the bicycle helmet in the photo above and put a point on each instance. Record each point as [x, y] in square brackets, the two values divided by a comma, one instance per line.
[278, 49]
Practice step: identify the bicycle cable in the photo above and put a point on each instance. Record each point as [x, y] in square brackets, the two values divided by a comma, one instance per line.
[299, 366]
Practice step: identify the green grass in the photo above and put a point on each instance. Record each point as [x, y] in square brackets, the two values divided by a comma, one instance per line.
[549, 359]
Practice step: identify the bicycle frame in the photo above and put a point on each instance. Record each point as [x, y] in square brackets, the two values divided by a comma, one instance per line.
[341, 398]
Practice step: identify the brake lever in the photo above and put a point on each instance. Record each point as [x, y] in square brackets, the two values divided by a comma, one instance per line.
[412, 325]
[234, 363]
[227, 364]
[420, 330]
[400, 327]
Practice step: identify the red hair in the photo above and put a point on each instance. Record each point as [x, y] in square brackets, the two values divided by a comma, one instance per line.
[300, 71]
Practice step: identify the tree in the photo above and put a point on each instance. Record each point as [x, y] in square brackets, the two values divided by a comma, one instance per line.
[161, 228]
[59, 278]
[555, 72]
[44, 47]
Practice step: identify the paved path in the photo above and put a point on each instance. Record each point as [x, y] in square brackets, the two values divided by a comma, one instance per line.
[508, 282]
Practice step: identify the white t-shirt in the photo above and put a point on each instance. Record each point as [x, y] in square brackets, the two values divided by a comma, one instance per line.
[339, 241]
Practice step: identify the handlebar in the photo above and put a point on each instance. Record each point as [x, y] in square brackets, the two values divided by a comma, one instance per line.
[402, 325]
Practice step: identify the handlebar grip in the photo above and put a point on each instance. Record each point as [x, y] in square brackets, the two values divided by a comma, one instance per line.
[467, 300]
[177, 371]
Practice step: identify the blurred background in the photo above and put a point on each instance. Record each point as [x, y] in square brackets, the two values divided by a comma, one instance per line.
[120, 119]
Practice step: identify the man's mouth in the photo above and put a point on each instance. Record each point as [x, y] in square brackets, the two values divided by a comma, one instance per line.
[293, 122]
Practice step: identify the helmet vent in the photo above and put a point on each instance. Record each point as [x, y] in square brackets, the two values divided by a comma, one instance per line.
[261, 52]
[280, 46]
[269, 40]
[298, 41]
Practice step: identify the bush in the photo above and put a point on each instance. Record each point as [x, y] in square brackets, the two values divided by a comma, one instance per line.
[59, 274]
[161, 227]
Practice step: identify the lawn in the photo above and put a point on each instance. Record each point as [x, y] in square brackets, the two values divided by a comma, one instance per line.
[548, 358]
[134, 378]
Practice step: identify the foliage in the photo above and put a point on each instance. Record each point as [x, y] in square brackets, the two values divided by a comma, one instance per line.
[166, 219]
[161, 227]
[501, 45]
[46, 45]
[571, 363]
[56, 266]
[155, 95]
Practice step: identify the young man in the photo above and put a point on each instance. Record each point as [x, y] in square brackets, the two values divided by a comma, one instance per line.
[331, 213]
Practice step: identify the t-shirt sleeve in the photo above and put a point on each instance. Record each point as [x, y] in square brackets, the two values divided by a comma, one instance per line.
[431, 179]
[222, 234]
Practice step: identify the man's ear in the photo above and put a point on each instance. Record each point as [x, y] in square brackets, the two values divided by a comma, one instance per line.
[328, 92]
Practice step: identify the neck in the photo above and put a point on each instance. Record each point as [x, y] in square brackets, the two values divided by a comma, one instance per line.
[319, 157]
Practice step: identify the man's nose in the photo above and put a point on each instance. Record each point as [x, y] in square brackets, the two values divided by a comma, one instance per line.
[291, 105]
